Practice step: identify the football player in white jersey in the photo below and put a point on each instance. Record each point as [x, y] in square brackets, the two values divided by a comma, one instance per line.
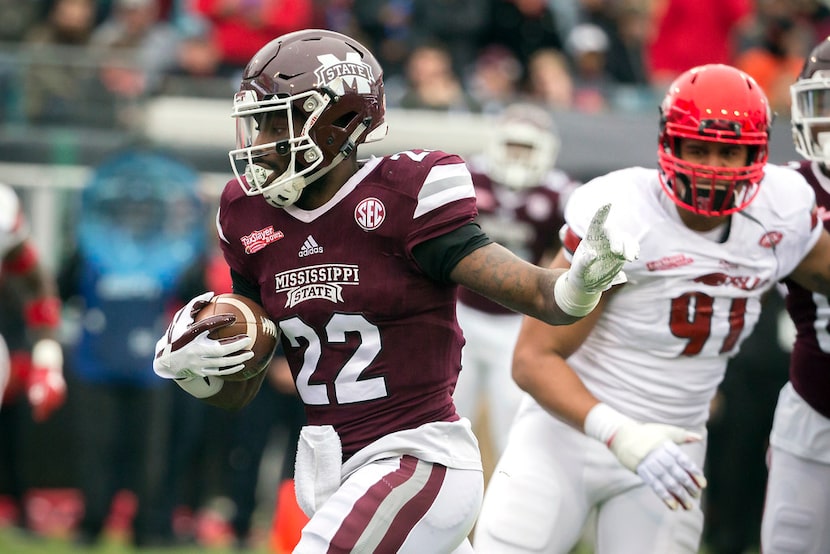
[797, 504]
[520, 196]
[41, 376]
[367, 314]
[615, 415]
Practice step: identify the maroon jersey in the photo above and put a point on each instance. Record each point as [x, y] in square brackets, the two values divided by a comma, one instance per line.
[372, 341]
[526, 221]
[810, 311]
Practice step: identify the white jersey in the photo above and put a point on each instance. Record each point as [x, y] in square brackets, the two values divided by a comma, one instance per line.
[660, 349]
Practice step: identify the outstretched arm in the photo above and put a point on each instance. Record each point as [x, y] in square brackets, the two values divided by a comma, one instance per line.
[555, 296]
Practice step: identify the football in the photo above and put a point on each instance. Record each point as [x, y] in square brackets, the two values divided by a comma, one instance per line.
[251, 320]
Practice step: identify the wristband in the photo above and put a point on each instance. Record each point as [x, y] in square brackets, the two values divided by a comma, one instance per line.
[201, 387]
[602, 423]
[573, 300]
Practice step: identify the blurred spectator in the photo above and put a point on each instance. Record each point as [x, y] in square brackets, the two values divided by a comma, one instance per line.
[815, 14]
[386, 26]
[19, 18]
[460, 25]
[61, 85]
[523, 26]
[688, 33]
[198, 65]
[242, 27]
[549, 80]
[139, 49]
[625, 23]
[776, 62]
[140, 226]
[587, 44]
[432, 84]
[495, 80]
[520, 196]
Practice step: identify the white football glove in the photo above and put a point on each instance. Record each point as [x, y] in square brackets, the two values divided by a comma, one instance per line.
[186, 353]
[596, 265]
[650, 450]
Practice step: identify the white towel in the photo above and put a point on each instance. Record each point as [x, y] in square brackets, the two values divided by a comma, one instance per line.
[317, 468]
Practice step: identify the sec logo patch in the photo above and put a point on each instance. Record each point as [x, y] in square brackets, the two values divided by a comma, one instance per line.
[370, 213]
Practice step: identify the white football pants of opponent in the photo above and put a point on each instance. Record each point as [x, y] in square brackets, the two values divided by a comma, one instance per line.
[566, 488]
[797, 502]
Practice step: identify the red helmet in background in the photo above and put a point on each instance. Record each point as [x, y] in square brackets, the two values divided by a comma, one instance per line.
[810, 112]
[721, 104]
[333, 82]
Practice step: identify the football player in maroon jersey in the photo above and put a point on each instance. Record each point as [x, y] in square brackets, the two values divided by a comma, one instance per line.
[520, 196]
[358, 263]
[797, 505]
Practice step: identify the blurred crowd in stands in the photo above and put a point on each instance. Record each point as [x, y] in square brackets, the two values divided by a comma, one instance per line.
[92, 62]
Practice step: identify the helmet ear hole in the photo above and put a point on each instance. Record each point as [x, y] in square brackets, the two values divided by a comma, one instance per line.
[344, 120]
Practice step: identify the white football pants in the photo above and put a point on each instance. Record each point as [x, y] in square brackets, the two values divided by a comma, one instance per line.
[549, 479]
[401, 505]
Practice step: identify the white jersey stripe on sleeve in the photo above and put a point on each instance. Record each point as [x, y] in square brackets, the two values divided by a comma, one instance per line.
[444, 184]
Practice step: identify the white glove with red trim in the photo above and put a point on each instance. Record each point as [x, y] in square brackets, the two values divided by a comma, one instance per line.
[596, 265]
[650, 450]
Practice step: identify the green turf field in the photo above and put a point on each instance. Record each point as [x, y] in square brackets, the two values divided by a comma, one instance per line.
[13, 541]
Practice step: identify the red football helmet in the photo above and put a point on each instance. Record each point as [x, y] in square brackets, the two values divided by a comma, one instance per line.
[715, 103]
[333, 82]
[810, 112]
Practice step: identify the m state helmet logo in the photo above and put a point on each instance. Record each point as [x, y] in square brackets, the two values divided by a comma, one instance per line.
[352, 71]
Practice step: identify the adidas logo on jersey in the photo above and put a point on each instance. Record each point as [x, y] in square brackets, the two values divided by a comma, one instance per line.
[310, 247]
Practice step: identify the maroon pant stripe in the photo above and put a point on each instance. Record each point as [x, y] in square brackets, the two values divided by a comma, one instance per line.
[364, 509]
[412, 512]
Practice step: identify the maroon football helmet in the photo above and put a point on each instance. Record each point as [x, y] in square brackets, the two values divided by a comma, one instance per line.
[810, 112]
[333, 82]
[716, 103]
